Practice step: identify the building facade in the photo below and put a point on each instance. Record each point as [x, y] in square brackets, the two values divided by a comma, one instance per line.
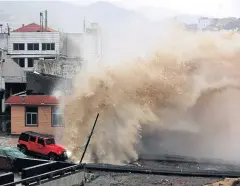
[203, 23]
[12, 77]
[27, 44]
[37, 113]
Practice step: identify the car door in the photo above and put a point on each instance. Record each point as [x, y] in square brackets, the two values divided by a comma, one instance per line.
[32, 143]
[41, 147]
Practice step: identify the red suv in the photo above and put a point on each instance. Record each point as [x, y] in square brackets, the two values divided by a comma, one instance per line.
[41, 144]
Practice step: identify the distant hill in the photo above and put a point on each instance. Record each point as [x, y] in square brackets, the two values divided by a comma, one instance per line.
[156, 14]
[125, 33]
[64, 16]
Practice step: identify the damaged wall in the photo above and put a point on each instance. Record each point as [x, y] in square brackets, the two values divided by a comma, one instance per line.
[36, 82]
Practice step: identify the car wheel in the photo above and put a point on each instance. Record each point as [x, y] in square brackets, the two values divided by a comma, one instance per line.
[23, 149]
[52, 157]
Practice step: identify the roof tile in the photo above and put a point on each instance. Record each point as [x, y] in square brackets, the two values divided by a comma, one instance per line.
[33, 27]
[32, 100]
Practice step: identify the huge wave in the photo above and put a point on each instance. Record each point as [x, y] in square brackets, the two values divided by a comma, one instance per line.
[191, 85]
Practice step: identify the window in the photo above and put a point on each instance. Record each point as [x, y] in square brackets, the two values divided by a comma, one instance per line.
[48, 46]
[30, 62]
[33, 46]
[41, 141]
[24, 137]
[32, 138]
[31, 116]
[50, 141]
[20, 61]
[49, 58]
[56, 117]
[18, 46]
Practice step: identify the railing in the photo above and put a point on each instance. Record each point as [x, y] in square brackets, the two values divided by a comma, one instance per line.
[43, 173]
[52, 171]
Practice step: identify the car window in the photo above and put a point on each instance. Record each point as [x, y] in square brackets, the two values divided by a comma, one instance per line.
[41, 141]
[32, 138]
[50, 141]
[24, 137]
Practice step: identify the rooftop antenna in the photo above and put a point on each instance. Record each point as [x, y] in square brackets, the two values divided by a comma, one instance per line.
[41, 22]
[8, 29]
[46, 21]
[84, 25]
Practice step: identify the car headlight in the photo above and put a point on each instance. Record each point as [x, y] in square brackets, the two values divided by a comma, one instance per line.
[59, 152]
[69, 153]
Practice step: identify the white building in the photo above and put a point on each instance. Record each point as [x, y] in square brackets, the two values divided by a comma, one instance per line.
[29, 43]
[203, 23]
[92, 45]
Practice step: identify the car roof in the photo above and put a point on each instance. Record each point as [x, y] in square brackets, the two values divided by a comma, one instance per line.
[38, 135]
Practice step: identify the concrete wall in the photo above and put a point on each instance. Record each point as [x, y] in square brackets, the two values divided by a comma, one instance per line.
[74, 44]
[70, 180]
[3, 41]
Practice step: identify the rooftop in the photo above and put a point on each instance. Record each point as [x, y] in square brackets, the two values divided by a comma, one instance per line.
[32, 100]
[33, 27]
[38, 134]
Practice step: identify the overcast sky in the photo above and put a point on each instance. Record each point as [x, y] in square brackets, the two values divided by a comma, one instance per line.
[216, 8]
[219, 8]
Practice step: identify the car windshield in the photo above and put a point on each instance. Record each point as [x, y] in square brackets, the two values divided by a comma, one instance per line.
[50, 141]
[12, 152]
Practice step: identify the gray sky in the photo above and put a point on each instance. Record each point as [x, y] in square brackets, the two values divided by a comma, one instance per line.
[219, 8]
